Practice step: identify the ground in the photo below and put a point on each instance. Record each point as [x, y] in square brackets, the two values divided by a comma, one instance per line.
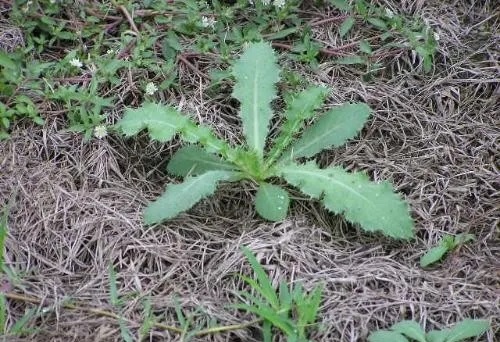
[76, 206]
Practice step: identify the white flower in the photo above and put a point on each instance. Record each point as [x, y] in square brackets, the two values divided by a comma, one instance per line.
[279, 3]
[436, 36]
[100, 131]
[76, 63]
[27, 6]
[388, 13]
[266, 2]
[151, 88]
[110, 52]
[208, 22]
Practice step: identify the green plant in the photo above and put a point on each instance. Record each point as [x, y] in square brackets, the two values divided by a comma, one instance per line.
[447, 244]
[292, 311]
[18, 84]
[411, 330]
[117, 303]
[417, 35]
[372, 205]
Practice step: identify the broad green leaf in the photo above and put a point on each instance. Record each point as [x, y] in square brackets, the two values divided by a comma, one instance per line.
[304, 104]
[271, 202]
[437, 335]
[386, 336]
[256, 74]
[346, 26]
[433, 255]
[467, 328]
[374, 206]
[342, 5]
[282, 34]
[162, 122]
[410, 329]
[193, 160]
[264, 284]
[7, 62]
[378, 23]
[181, 197]
[365, 47]
[331, 130]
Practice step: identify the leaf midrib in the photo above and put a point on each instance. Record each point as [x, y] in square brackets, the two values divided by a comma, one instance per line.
[320, 174]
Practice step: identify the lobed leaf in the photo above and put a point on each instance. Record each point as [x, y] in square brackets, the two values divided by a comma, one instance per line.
[410, 329]
[181, 197]
[193, 160]
[271, 202]
[161, 121]
[331, 130]
[374, 206]
[256, 74]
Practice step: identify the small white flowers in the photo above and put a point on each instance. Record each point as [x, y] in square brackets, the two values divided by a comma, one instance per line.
[279, 3]
[388, 13]
[208, 22]
[151, 88]
[26, 7]
[100, 131]
[266, 2]
[76, 63]
[436, 36]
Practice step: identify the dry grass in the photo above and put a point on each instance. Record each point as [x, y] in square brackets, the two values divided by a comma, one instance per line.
[77, 206]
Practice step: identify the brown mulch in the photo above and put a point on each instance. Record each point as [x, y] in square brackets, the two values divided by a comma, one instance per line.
[76, 207]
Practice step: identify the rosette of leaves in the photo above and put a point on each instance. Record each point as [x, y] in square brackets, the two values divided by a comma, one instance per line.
[209, 160]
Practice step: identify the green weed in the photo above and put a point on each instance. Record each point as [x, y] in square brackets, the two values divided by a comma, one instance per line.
[291, 311]
[405, 331]
[372, 205]
[447, 244]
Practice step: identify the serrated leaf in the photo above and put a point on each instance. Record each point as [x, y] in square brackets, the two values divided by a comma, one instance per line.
[437, 335]
[271, 202]
[374, 206]
[466, 329]
[433, 255]
[301, 107]
[181, 197]
[331, 130]
[386, 336]
[346, 26]
[410, 329]
[161, 121]
[256, 74]
[303, 104]
[193, 160]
